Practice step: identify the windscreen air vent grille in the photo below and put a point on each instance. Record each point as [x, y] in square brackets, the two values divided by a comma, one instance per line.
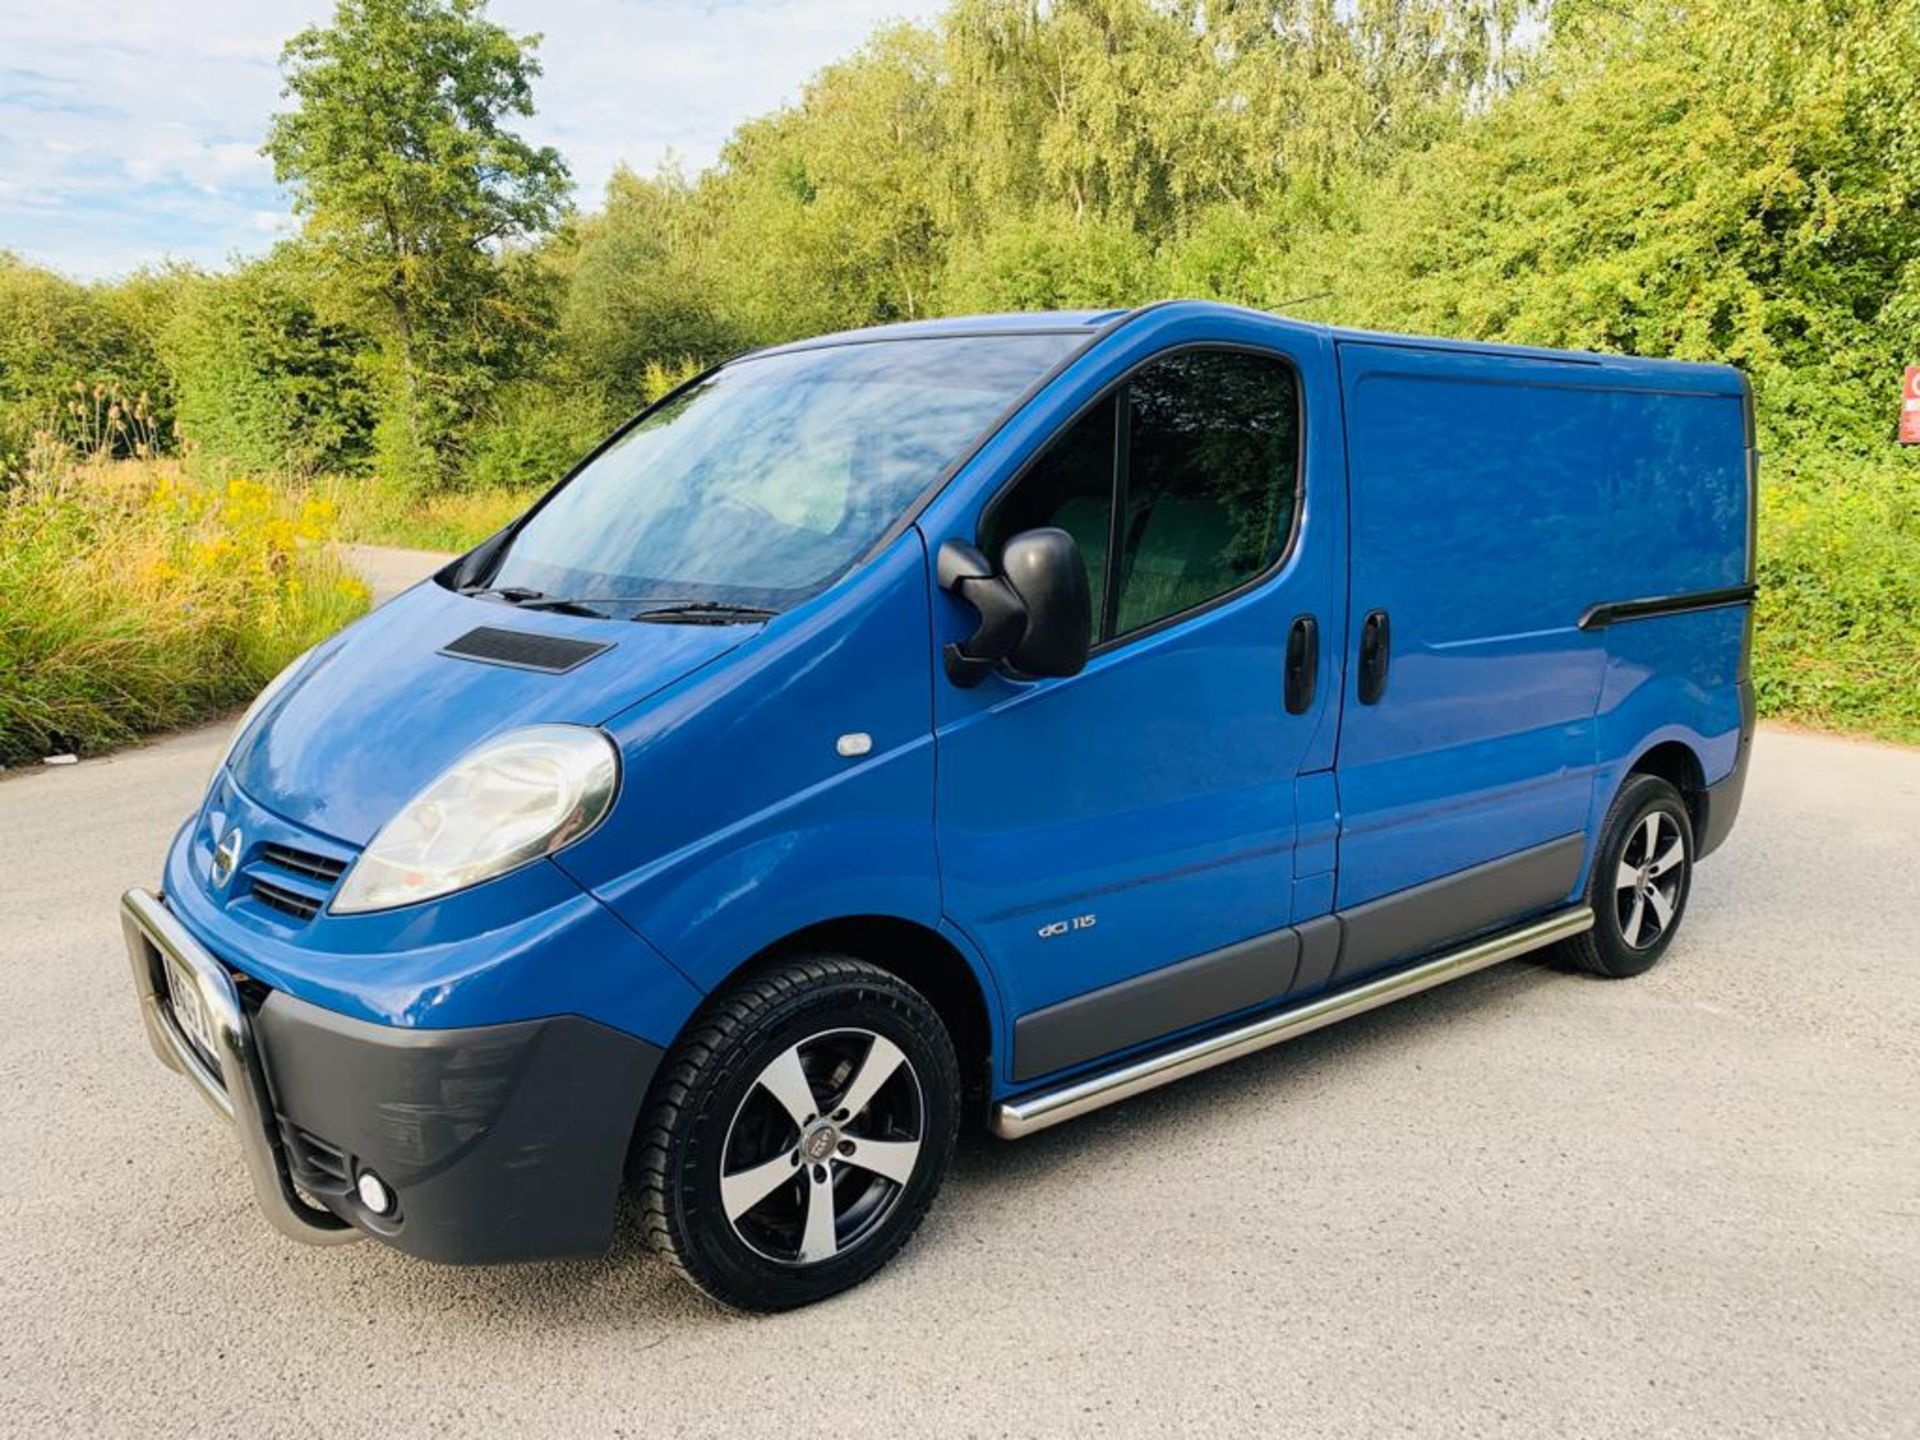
[523, 650]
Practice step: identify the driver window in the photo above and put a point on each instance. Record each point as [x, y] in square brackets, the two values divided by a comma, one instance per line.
[1208, 481]
[1069, 486]
[1213, 448]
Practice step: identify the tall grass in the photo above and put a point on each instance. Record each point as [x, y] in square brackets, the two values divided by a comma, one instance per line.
[134, 599]
[379, 512]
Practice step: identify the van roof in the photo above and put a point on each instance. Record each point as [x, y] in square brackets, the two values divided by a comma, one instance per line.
[1031, 322]
[1638, 364]
[1057, 321]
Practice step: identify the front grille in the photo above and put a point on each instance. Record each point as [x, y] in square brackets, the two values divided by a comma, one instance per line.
[323, 868]
[292, 881]
[288, 902]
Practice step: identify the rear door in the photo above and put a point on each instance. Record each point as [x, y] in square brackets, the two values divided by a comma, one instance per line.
[1479, 489]
[1097, 829]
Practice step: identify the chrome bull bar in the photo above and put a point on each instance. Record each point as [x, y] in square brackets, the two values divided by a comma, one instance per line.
[235, 1084]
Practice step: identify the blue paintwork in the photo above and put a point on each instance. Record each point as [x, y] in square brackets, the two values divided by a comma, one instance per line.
[740, 822]
[1156, 789]
[377, 713]
[1488, 496]
[1485, 742]
[1496, 496]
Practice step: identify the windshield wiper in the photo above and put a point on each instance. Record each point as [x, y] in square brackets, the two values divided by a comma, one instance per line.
[705, 612]
[525, 599]
[672, 612]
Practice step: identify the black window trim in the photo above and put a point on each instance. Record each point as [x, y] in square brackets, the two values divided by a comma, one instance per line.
[1118, 475]
[1117, 490]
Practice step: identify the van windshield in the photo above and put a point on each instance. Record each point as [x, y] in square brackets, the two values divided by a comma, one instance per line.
[764, 483]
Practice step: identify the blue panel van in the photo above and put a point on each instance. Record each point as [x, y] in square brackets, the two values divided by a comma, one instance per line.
[986, 718]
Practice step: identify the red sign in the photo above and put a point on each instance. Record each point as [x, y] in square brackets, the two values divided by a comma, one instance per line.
[1910, 407]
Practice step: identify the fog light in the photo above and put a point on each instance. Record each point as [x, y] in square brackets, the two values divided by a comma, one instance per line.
[373, 1193]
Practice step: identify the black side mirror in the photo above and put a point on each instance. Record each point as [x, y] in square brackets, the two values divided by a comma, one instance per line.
[1035, 613]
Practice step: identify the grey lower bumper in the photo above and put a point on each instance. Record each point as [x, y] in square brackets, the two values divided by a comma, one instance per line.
[496, 1143]
[235, 1082]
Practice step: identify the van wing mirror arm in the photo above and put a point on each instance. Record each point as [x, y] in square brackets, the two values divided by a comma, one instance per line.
[964, 573]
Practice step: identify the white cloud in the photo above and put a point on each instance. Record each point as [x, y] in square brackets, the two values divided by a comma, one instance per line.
[135, 136]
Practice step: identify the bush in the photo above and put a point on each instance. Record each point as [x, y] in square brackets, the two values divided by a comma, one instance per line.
[62, 344]
[636, 295]
[536, 436]
[133, 599]
[1052, 262]
[265, 383]
[1837, 643]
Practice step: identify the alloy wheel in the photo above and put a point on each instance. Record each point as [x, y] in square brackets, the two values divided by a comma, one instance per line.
[1647, 882]
[822, 1146]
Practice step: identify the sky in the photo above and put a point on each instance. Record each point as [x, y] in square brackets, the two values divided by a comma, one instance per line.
[130, 133]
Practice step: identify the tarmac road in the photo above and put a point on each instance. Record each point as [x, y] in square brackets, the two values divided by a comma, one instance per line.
[1528, 1203]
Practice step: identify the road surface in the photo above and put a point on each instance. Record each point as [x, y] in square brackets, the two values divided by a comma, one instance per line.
[1529, 1203]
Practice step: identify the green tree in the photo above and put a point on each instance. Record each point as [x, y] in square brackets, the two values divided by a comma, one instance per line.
[640, 292]
[829, 214]
[1709, 181]
[1052, 260]
[399, 155]
[264, 380]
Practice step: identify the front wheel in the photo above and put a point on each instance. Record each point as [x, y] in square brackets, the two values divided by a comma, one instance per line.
[798, 1133]
[1641, 875]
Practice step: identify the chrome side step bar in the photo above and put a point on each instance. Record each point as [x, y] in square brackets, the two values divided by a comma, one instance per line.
[1014, 1119]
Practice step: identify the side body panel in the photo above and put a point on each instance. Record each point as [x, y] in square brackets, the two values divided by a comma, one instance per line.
[1568, 541]
[1095, 829]
[1480, 517]
[741, 822]
[1683, 509]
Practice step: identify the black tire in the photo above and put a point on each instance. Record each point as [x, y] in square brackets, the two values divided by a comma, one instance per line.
[717, 1108]
[1630, 931]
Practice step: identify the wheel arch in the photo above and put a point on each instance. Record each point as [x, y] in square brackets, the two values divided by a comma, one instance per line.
[932, 962]
[1674, 754]
[1678, 763]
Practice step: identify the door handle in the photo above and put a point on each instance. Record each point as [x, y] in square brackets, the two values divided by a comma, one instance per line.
[1376, 653]
[1303, 663]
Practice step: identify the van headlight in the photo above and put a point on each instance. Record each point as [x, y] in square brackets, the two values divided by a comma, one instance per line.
[508, 801]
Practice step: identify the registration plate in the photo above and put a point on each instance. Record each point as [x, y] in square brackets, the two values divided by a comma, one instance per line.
[189, 1007]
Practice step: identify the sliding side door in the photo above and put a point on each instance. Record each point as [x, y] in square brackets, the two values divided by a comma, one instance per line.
[1478, 486]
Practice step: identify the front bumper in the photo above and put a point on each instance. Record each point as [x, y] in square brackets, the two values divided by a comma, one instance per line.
[500, 1142]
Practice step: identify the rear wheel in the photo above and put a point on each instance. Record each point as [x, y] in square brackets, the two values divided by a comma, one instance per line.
[1641, 876]
[799, 1133]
